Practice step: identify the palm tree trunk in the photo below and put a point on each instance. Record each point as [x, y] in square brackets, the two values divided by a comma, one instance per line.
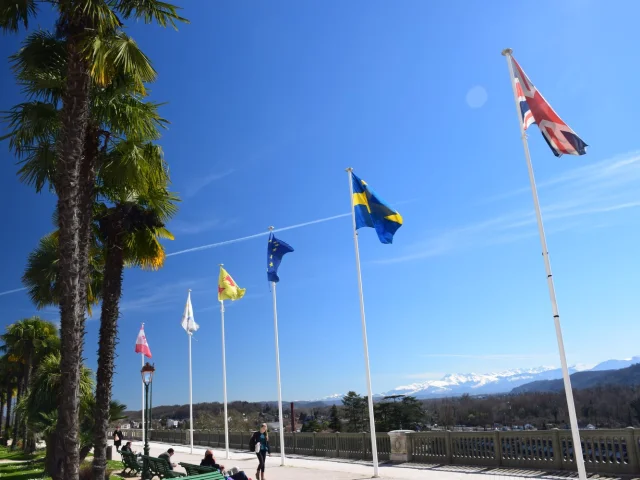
[3, 401]
[25, 388]
[7, 420]
[16, 418]
[75, 111]
[112, 290]
[87, 197]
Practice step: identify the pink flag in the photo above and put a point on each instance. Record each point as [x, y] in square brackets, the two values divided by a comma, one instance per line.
[141, 344]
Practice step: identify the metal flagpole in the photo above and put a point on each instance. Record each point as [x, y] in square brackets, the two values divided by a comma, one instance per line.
[372, 423]
[224, 382]
[142, 358]
[575, 433]
[190, 384]
[275, 329]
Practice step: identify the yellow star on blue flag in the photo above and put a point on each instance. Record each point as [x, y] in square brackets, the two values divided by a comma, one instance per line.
[276, 249]
[371, 211]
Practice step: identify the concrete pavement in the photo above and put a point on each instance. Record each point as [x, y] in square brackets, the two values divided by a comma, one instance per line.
[309, 468]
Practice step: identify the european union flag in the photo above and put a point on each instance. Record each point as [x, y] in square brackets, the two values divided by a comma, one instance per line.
[275, 251]
[371, 211]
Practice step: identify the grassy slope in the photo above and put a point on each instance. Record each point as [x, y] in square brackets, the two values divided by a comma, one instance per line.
[34, 468]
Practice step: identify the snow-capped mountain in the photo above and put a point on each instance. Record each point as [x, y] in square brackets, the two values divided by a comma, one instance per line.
[616, 364]
[455, 384]
[473, 383]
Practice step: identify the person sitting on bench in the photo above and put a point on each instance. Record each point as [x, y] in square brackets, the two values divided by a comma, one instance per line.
[167, 456]
[209, 461]
[127, 448]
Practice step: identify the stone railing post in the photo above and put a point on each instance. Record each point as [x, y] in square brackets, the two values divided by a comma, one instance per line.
[314, 444]
[636, 449]
[295, 441]
[399, 440]
[632, 451]
[556, 444]
[337, 444]
[448, 448]
[497, 448]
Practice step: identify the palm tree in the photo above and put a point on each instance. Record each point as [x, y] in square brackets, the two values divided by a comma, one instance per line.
[27, 341]
[133, 205]
[130, 230]
[94, 47]
[121, 146]
[8, 382]
[39, 407]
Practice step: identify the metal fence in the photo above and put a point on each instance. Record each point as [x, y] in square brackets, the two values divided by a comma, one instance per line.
[605, 451]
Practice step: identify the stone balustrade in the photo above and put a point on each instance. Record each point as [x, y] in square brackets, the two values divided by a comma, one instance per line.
[605, 451]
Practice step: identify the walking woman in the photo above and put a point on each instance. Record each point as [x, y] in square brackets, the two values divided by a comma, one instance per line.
[117, 438]
[259, 443]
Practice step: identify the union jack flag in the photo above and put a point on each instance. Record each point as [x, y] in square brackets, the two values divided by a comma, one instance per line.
[535, 109]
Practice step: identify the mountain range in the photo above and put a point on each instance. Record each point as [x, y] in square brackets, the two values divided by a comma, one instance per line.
[589, 379]
[490, 383]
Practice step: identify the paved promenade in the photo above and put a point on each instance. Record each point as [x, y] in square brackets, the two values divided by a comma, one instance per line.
[307, 468]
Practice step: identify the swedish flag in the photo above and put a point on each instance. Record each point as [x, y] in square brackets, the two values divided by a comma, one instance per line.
[276, 249]
[371, 211]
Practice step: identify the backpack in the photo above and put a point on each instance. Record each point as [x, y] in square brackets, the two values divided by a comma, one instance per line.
[252, 443]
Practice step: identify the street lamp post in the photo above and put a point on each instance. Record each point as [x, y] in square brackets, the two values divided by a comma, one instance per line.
[147, 377]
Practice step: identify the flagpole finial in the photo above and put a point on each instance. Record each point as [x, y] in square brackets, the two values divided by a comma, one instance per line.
[271, 228]
[189, 290]
[350, 169]
[220, 264]
[507, 51]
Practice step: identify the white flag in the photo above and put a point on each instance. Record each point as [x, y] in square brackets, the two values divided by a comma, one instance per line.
[188, 322]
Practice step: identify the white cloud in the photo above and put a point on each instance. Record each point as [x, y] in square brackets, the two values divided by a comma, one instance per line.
[425, 376]
[180, 227]
[575, 199]
[201, 182]
[15, 290]
[496, 356]
[256, 235]
[152, 296]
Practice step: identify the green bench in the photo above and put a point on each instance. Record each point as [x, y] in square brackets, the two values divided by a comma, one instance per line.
[130, 462]
[207, 476]
[159, 467]
[196, 470]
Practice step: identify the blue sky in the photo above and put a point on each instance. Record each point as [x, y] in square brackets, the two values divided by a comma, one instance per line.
[270, 102]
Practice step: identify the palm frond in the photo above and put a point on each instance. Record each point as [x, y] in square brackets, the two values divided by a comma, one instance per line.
[40, 66]
[41, 274]
[151, 10]
[42, 399]
[127, 115]
[131, 168]
[16, 12]
[115, 54]
[162, 202]
[96, 13]
[30, 123]
[38, 165]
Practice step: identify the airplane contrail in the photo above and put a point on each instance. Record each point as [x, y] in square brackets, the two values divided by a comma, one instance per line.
[12, 291]
[256, 235]
[228, 242]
